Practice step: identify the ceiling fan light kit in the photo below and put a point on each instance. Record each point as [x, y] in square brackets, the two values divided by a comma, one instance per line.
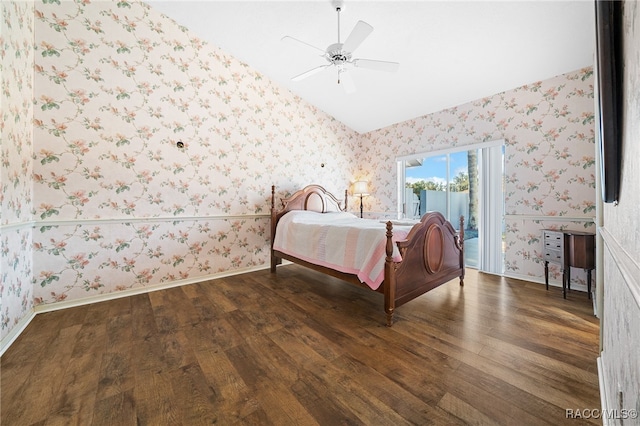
[340, 55]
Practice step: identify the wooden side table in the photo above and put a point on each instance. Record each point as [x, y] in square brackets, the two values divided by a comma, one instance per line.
[579, 252]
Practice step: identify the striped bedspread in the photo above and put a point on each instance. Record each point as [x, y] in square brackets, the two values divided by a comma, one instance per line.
[340, 241]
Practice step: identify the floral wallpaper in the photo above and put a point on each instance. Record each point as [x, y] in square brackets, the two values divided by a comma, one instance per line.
[550, 172]
[118, 204]
[16, 150]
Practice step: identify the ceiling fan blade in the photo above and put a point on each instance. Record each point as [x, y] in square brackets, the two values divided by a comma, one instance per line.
[344, 78]
[309, 73]
[357, 36]
[293, 40]
[376, 65]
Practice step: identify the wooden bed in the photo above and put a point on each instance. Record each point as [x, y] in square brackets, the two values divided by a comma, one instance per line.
[432, 254]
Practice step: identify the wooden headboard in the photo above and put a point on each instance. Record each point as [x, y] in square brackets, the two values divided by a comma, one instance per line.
[313, 198]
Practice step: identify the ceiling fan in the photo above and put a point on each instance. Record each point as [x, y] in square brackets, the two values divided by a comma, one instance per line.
[340, 55]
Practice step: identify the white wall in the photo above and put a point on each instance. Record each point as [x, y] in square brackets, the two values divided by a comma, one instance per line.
[620, 358]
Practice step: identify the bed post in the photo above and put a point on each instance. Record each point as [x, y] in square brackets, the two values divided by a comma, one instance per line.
[346, 199]
[389, 277]
[462, 250]
[274, 260]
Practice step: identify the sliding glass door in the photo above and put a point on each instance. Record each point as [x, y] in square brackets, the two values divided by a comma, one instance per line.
[460, 183]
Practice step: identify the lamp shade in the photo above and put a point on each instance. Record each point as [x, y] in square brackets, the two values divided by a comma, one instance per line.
[361, 188]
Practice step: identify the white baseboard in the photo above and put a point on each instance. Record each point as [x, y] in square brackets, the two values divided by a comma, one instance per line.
[8, 340]
[50, 307]
[603, 393]
[16, 331]
[552, 283]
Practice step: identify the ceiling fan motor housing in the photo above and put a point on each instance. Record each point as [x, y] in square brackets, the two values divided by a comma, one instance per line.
[336, 55]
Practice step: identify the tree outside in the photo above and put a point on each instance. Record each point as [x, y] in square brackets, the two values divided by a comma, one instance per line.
[460, 183]
[472, 165]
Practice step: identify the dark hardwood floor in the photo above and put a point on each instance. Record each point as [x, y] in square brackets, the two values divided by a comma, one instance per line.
[301, 348]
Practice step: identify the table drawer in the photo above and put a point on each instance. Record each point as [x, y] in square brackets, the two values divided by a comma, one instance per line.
[553, 246]
[553, 256]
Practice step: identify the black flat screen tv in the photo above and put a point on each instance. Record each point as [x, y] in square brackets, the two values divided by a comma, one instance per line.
[609, 75]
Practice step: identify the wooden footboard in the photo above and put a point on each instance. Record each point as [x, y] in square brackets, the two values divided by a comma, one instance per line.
[432, 254]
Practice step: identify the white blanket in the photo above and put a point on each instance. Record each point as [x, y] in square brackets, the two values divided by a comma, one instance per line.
[340, 241]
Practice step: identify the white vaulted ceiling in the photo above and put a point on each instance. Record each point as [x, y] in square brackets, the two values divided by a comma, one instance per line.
[450, 52]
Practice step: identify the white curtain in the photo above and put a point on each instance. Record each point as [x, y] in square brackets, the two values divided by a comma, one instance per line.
[491, 210]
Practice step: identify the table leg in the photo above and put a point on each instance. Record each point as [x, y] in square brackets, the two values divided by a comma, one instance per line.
[564, 283]
[589, 283]
[546, 273]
